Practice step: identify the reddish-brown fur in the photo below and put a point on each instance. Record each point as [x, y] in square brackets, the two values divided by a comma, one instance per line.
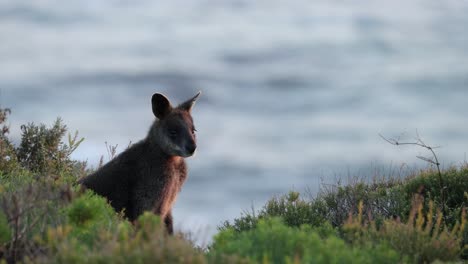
[149, 175]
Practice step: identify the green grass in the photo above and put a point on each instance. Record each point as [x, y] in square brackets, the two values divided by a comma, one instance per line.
[46, 218]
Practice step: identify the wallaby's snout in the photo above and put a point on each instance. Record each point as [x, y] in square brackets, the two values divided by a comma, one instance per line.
[190, 147]
[175, 131]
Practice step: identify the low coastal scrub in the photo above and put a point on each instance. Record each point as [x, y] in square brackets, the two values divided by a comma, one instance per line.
[401, 214]
[45, 217]
[272, 241]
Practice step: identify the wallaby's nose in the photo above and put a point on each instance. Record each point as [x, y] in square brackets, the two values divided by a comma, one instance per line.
[191, 147]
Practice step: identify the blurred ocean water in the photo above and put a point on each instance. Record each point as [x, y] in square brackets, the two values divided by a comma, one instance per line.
[294, 92]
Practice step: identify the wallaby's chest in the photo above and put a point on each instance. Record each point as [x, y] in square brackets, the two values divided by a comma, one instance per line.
[160, 186]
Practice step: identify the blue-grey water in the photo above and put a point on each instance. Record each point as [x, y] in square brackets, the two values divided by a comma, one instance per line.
[294, 92]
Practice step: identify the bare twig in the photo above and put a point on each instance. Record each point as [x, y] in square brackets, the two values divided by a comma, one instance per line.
[435, 161]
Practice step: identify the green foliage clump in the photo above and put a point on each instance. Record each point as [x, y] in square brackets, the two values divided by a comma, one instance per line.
[42, 149]
[8, 159]
[422, 239]
[3, 117]
[87, 209]
[294, 210]
[29, 210]
[384, 199]
[274, 242]
[5, 231]
[148, 242]
[35, 185]
[89, 214]
[426, 183]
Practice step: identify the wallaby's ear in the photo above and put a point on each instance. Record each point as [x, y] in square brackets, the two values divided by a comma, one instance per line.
[187, 105]
[161, 105]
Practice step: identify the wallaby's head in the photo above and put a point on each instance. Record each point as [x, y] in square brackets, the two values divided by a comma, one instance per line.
[174, 132]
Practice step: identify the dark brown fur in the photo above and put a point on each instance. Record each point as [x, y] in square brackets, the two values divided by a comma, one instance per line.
[149, 175]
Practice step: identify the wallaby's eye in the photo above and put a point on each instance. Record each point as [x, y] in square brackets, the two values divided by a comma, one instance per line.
[172, 133]
[194, 130]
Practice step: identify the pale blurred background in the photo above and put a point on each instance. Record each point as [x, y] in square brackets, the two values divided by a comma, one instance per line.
[294, 92]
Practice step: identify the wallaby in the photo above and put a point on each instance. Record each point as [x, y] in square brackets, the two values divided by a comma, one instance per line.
[148, 175]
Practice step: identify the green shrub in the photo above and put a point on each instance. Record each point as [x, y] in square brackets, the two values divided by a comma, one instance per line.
[422, 239]
[4, 129]
[385, 199]
[148, 243]
[8, 159]
[89, 209]
[274, 242]
[12, 181]
[5, 231]
[42, 149]
[29, 210]
[88, 215]
[294, 210]
[427, 184]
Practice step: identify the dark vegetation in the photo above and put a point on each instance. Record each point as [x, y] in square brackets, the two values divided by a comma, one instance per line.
[46, 218]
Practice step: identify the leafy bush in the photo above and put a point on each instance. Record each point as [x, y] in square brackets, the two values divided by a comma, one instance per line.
[147, 243]
[3, 117]
[42, 149]
[34, 186]
[89, 214]
[384, 199]
[294, 210]
[426, 183]
[8, 160]
[422, 238]
[5, 232]
[29, 210]
[388, 199]
[274, 242]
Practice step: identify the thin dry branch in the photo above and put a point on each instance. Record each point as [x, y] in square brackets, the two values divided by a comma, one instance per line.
[435, 161]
